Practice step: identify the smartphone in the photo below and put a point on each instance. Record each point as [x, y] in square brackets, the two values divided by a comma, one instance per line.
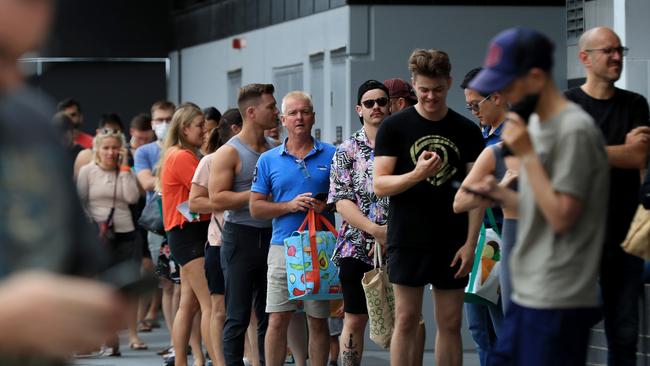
[321, 196]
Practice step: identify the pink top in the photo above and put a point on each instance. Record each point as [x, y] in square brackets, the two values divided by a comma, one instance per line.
[201, 178]
[96, 187]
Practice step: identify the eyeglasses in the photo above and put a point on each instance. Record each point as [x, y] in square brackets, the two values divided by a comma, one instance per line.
[371, 102]
[609, 51]
[475, 107]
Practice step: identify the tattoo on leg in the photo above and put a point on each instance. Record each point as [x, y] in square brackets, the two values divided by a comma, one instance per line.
[350, 357]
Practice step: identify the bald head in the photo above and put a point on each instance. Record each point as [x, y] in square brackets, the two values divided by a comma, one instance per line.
[595, 36]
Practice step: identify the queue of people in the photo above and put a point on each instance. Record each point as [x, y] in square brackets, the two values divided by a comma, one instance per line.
[414, 182]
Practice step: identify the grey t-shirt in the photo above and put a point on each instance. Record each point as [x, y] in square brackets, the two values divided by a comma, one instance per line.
[550, 270]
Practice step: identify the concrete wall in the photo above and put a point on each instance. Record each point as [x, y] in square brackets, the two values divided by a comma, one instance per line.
[463, 32]
[202, 74]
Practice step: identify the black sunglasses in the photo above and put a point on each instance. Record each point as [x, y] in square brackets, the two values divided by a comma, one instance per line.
[371, 102]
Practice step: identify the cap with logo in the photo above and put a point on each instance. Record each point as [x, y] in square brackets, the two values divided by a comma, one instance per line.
[398, 88]
[511, 54]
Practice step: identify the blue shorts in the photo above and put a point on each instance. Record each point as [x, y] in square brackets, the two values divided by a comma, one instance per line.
[543, 337]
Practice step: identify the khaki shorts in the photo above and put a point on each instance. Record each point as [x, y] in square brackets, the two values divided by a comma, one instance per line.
[277, 292]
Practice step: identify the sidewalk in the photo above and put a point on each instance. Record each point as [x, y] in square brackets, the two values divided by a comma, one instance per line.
[159, 338]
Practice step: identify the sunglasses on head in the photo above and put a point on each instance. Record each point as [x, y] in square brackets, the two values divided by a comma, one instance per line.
[371, 102]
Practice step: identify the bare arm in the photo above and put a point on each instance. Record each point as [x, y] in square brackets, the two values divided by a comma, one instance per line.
[262, 208]
[200, 200]
[484, 166]
[385, 183]
[634, 153]
[130, 190]
[84, 157]
[560, 210]
[147, 180]
[351, 213]
[222, 172]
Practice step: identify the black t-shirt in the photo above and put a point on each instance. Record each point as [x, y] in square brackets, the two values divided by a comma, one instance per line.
[616, 117]
[423, 215]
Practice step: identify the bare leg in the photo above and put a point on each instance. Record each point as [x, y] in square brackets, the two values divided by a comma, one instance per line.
[182, 327]
[216, 328]
[250, 344]
[275, 343]
[449, 315]
[408, 307]
[352, 339]
[334, 350]
[134, 339]
[297, 338]
[420, 337]
[195, 275]
[195, 340]
[319, 341]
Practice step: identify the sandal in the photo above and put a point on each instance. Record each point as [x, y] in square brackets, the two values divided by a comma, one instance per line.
[152, 323]
[110, 352]
[144, 326]
[165, 351]
[138, 346]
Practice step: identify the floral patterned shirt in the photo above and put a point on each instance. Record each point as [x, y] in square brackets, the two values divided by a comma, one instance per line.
[351, 179]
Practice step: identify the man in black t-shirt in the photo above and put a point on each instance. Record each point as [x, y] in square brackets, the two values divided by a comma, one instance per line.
[419, 153]
[623, 118]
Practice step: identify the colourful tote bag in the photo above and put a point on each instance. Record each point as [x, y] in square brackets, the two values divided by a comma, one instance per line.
[310, 273]
[483, 286]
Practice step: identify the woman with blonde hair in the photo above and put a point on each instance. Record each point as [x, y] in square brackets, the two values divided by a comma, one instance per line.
[107, 187]
[186, 231]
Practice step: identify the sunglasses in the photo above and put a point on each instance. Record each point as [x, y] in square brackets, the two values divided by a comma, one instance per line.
[475, 107]
[382, 102]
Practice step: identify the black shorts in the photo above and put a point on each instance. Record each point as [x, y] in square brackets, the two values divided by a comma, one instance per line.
[351, 272]
[417, 267]
[213, 271]
[142, 239]
[187, 244]
[124, 248]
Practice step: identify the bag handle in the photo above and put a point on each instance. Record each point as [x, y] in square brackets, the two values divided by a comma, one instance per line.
[110, 214]
[493, 221]
[479, 251]
[311, 221]
[377, 260]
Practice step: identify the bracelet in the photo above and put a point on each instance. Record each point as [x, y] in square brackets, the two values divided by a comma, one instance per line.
[125, 168]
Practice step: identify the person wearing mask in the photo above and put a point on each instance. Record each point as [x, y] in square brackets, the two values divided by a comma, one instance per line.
[561, 201]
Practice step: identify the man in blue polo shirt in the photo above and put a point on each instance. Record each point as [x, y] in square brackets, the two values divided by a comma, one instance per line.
[287, 182]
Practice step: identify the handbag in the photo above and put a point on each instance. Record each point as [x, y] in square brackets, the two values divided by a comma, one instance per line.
[310, 273]
[380, 301]
[483, 285]
[637, 240]
[107, 228]
[151, 218]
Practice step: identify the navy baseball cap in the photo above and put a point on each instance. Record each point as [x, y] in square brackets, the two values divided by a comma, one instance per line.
[512, 53]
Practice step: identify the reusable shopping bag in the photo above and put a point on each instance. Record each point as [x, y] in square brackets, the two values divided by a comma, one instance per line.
[483, 286]
[380, 301]
[637, 241]
[310, 273]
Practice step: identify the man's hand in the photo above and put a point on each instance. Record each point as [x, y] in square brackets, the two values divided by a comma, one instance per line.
[301, 203]
[466, 257]
[639, 135]
[515, 135]
[318, 205]
[510, 176]
[427, 165]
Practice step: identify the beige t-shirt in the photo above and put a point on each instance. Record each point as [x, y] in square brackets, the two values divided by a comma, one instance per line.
[201, 178]
[96, 187]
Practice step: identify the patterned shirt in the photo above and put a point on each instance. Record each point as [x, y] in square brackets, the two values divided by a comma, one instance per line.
[351, 179]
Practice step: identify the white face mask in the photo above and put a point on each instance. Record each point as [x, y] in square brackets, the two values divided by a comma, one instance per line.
[161, 130]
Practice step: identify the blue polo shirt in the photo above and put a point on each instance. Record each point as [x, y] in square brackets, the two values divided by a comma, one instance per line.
[495, 137]
[283, 176]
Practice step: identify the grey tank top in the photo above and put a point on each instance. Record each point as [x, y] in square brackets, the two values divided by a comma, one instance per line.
[242, 182]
